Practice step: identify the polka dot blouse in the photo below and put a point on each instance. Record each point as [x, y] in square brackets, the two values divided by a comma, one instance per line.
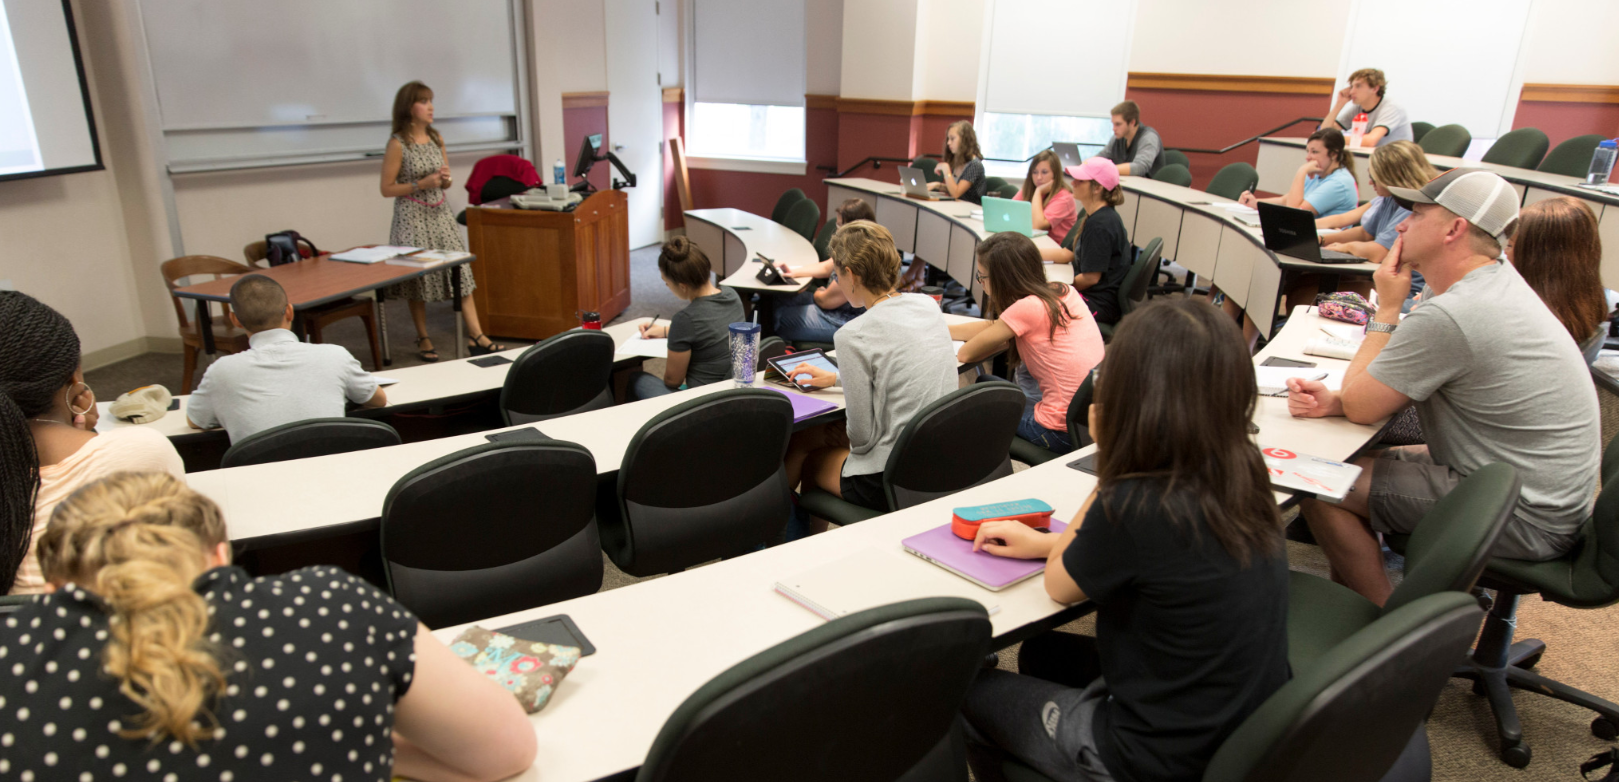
[314, 661]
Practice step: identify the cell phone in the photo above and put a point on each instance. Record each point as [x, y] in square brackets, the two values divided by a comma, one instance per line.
[489, 361]
[526, 433]
[1278, 361]
[559, 630]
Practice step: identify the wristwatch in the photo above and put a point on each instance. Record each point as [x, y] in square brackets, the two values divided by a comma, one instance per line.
[1386, 328]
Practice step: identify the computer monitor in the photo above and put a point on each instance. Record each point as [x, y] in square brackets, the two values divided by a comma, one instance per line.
[587, 155]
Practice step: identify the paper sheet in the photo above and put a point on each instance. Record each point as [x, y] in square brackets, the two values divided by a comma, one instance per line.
[650, 348]
[384, 381]
[1273, 380]
[373, 254]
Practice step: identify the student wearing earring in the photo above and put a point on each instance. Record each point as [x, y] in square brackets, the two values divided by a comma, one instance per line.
[49, 446]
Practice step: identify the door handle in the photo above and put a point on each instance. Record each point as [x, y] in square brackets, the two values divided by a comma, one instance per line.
[618, 147]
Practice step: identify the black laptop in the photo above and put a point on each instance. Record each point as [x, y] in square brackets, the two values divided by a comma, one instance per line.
[1291, 232]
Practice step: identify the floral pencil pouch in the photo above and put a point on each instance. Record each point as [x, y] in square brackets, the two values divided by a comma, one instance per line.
[1346, 307]
[530, 670]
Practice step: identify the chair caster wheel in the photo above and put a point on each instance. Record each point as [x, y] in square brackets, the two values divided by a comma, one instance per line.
[1605, 729]
[1517, 756]
[1479, 689]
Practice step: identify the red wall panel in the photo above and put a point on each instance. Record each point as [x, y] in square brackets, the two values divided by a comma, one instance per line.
[1562, 121]
[577, 123]
[1212, 120]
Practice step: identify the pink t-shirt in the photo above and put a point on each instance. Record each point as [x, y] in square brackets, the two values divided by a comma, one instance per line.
[1060, 211]
[1058, 364]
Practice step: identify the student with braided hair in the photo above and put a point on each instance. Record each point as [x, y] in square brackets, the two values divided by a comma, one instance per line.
[48, 441]
[153, 658]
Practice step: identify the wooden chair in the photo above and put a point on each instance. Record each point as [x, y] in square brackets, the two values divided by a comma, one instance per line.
[316, 319]
[227, 338]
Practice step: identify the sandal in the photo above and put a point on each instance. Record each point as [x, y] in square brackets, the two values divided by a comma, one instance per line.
[427, 354]
[481, 345]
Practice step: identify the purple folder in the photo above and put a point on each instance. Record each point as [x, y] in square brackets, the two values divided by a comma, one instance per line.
[805, 406]
[941, 547]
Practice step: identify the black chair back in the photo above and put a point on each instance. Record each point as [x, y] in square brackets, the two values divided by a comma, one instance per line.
[928, 164]
[10, 604]
[961, 440]
[864, 698]
[493, 529]
[1079, 411]
[791, 196]
[771, 347]
[566, 374]
[1351, 715]
[1133, 289]
[802, 217]
[314, 437]
[702, 480]
[499, 187]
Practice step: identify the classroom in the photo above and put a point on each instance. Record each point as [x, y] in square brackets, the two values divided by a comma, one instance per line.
[609, 390]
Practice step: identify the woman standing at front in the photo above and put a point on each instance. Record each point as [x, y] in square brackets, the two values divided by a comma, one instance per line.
[415, 174]
[963, 166]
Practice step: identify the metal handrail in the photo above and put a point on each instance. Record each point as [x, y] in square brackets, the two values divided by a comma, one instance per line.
[876, 162]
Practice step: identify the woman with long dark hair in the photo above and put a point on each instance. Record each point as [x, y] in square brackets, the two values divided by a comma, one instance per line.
[416, 175]
[963, 164]
[1047, 190]
[1557, 248]
[1180, 547]
[48, 441]
[1053, 337]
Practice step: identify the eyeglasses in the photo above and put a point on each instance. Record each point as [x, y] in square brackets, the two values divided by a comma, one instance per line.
[978, 277]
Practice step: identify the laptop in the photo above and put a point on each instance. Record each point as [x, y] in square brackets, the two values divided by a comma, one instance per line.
[941, 547]
[913, 183]
[1291, 232]
[1067, 152]
[1005, 214]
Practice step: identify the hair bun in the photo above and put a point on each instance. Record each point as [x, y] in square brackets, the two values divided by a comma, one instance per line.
[678, 247]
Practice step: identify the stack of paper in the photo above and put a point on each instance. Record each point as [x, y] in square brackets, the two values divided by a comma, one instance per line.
[649, 348]
[373, 254]
[427, 258]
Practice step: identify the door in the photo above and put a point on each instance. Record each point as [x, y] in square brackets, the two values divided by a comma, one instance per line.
[635, 111]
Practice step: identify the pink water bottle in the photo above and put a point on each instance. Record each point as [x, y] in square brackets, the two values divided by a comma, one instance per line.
[1357, 129]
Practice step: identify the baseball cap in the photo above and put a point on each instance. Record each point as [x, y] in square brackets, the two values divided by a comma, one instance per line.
[1099, 170]
[1480, 197]
[143, 405]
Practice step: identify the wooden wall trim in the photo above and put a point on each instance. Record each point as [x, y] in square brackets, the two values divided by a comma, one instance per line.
[821, 102]
[905, 108]
[583, 100]
[945, 108]
[674, 95]
[1571, 93]
[1214, 82]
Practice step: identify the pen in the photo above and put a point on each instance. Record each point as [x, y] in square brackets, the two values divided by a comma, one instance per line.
[1284, 392]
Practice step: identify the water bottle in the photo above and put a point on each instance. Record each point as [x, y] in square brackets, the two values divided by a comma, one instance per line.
[1357, 129]
[744, 353]
[559, 173]
[1602, 162]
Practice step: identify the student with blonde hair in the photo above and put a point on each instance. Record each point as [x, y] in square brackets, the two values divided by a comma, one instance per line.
[1369, 230]
[963, 164]
[154, 656]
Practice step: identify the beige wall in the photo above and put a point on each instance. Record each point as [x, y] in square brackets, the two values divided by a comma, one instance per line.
[1253, 37]
[823, 46]
[947, 47]
[567, 53]
[1552, 57]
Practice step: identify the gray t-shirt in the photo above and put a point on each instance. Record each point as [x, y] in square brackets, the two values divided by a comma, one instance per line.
[972, 172]
[1496, 379]
[892, 361]
[279, 380]
[1388, 114]
[1144, 153]
[704, 328]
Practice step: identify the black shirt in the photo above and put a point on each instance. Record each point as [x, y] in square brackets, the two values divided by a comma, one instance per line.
[313, 660]
[1103, 246]
[704, 328]
[1191, 643]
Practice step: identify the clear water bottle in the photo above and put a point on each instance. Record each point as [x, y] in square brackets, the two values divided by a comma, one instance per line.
[559, 172]
[1357, 129]
[1602, 162]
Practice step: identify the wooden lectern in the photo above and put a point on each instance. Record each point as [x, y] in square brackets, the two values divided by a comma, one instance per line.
[536, 269]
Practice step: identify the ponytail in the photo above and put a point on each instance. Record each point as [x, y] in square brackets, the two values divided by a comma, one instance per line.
[1333, 140]
[38, 354]
[139, 540]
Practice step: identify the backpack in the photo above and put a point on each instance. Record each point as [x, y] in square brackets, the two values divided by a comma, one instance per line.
[282, 248]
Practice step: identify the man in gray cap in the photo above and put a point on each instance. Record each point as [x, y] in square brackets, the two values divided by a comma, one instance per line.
[1494, 376]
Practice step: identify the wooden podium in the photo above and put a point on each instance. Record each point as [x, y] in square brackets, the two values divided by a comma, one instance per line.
[536, 269]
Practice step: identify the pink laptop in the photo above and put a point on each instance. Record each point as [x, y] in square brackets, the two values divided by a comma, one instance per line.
[941, 547]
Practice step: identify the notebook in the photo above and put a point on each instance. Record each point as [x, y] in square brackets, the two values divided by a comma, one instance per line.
[941, 547]
[871, 577]
[372, 254]
[647, 348]
[1323, 478]
[804, 406]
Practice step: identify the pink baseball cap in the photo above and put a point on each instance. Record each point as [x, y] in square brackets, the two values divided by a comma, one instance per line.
[1099, 170]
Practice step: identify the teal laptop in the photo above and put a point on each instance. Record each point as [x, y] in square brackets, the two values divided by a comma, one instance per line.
[1004, 214]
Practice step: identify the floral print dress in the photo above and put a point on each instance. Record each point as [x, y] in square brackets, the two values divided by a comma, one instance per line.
[423, 219]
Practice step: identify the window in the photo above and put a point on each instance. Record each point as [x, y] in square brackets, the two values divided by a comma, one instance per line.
[1017, 137]
[741, 130]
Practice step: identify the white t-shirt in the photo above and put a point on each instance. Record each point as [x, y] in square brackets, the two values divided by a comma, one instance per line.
[1388, 114]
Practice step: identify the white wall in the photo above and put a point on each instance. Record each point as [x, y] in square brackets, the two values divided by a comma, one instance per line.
[1554, 58]
[568, 53]
[1252, 37]
[947, 50]
[823, 46]
[879, 49]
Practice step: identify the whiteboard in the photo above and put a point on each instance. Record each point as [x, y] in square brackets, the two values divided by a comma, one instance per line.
[276, 80]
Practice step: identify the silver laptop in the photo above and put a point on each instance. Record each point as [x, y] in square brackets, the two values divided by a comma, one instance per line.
[1067, 152]
[914, 183]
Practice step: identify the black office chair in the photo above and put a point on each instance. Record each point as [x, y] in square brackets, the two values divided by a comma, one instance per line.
[802, 217]
[1573, 156]
[1356, 716]
[493, 529]
[792, 196]
[870, 697]
[961, 440]
[1521, 148]
[702, 480]
[1420, 129]
[314, 437]
[10, 604]
[927, 164]
[1448, 140]
[771, 347]
[1175, 174]
[1133, 288]
[1078, 425]
[999, 188]
[569, 373]
[1233, 180]
[823, 238]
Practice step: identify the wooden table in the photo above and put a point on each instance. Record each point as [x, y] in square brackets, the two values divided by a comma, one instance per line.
[312, 282]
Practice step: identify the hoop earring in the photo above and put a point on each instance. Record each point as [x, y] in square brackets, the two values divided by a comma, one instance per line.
[68, 398]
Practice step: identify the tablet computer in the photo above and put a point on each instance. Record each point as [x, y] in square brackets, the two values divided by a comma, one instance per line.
[780, 365]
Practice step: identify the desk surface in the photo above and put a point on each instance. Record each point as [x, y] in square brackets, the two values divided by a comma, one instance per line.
[315, 281]
[760, 236]
[732, 609]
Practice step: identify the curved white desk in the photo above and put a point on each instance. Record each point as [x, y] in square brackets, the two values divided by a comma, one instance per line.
[1197, 233]
[1279, 159]
[586, 732]
[733, 239]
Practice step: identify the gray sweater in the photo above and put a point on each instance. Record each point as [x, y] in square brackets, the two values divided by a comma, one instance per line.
[892, 361]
